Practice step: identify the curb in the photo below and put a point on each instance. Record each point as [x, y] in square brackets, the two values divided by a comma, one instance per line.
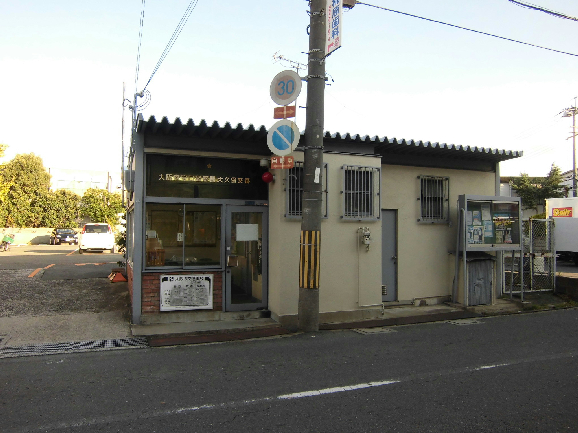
[215, 337]
[395, 321]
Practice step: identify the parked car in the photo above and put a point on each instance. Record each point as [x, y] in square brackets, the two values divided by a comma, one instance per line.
[59, 236]
[97, 237]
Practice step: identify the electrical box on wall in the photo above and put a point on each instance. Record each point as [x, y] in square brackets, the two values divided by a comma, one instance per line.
[365, 236]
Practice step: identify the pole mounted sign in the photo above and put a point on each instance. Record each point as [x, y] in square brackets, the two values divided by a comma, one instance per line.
[285, 87]
[281, 162]
[283, 112]
[333, 26]
[283, 137]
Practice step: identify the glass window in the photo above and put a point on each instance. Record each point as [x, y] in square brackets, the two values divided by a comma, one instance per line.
[361, 192]
[294, 188]
[129, 236]
[97, 228]
[434, 200]
[492, 223]
[183, 236]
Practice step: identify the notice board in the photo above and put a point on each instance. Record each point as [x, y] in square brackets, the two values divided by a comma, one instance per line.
[186, 292]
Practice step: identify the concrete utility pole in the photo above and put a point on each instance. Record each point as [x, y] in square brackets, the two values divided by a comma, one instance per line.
[309, 260]
[567, 113]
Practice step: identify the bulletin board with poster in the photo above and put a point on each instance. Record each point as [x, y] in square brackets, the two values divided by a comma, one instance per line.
[492, 223]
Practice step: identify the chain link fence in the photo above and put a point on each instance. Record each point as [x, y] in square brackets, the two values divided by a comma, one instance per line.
[538, 262]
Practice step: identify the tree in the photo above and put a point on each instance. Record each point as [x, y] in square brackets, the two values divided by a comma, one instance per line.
[3, 148]
[535, 190]
[101, 206]
[61, 209]
[24, 184]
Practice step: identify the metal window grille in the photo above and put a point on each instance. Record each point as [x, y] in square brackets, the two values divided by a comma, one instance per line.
[434, 199]
[294, 189]
[361, 199]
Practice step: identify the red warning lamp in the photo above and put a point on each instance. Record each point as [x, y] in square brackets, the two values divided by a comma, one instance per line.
[268, 177]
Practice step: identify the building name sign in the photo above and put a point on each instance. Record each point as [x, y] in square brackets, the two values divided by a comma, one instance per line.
[203, 179]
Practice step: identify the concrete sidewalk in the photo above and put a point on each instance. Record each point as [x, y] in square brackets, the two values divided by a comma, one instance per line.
[59, 328]
[18, 331]
[205, 332]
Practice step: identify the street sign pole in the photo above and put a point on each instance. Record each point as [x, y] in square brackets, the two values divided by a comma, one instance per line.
[310, 244]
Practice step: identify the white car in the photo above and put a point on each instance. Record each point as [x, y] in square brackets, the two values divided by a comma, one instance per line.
[97, 237]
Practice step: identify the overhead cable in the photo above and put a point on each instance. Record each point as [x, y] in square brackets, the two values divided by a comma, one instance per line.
[465, 28]
[173, 39]
[541, 9]
[141, 25]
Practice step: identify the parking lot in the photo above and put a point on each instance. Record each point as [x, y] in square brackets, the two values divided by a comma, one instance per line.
[47, 284]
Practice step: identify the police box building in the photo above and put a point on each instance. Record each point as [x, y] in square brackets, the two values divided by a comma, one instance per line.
[214, 230]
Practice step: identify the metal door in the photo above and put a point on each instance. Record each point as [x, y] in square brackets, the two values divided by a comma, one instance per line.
[480, 282]
[389, 255]
[246, 258]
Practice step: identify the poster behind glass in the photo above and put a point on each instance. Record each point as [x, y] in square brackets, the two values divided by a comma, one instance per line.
[492, 224]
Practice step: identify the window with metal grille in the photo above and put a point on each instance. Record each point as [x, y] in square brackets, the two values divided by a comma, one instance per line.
[294, 189]
[434, 199]
[361, 199]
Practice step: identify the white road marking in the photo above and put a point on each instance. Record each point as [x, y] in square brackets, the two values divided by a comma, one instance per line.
[336, 389]
[127, 417]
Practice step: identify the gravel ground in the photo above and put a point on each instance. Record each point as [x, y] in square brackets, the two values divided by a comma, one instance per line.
[23, 296]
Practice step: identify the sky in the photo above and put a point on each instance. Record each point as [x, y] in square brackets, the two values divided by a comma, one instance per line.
[63, 64]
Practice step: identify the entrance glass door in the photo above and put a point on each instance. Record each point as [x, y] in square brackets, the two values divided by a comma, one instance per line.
[246, 258]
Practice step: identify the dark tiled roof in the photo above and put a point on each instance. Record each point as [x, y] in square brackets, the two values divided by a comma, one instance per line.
[425, 148]
[382, 146]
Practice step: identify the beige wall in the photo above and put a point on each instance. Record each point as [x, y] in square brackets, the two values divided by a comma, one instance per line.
[350, 275]
[424, 262]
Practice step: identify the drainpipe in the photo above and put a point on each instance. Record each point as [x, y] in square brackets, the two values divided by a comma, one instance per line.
[457, 259]
[466, 300]
[358, 233]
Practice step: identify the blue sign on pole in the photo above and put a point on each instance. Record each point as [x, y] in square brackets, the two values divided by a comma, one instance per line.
[283, 137]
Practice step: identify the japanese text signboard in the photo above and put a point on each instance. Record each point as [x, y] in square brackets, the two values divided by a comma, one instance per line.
[282, 162]
[562, 212]
[186, 292]
[334, 13]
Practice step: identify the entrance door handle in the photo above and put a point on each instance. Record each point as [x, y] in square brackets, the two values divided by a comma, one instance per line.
[232, 261]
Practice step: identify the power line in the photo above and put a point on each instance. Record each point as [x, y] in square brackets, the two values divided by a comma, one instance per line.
[542, 9]
[465, 28]
[141, 25]
[173, 39]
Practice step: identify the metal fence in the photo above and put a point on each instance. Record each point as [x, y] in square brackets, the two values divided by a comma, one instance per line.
[539, 259]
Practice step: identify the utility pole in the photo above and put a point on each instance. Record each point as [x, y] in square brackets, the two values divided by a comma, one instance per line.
[310, 244]
[567, 113]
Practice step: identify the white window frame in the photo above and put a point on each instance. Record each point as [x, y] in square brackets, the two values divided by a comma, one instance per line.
[294, 192]
[361, 193]
[433, 199]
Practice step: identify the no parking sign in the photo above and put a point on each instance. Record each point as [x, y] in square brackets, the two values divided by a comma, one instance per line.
[283, 137]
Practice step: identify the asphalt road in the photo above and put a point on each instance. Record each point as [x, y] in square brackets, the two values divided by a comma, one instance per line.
[59, 261]
[502, 374]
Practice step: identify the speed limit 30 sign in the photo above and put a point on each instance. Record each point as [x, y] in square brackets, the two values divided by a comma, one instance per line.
[285, 87]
